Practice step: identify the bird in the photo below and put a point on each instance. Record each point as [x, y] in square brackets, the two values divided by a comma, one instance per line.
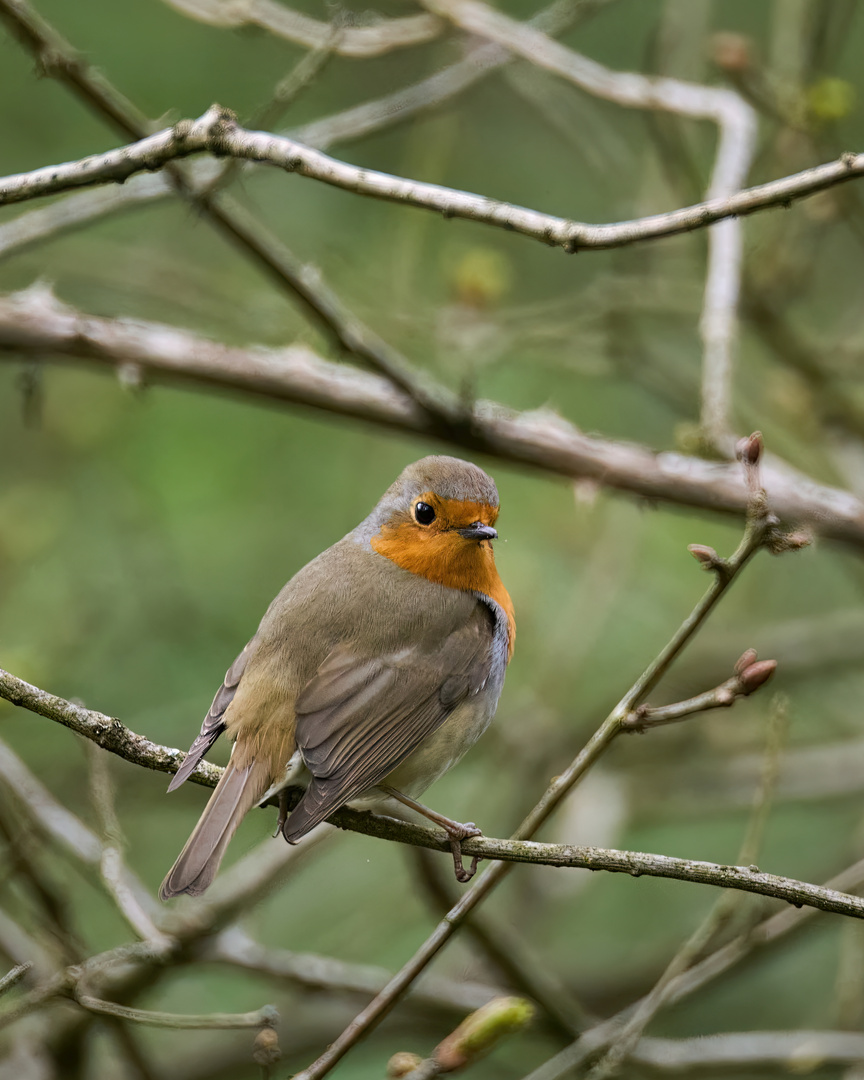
[378, 665]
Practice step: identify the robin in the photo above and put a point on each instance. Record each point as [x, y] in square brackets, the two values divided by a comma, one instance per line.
[373, 671]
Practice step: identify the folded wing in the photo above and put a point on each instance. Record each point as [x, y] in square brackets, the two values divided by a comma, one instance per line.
[360, 717]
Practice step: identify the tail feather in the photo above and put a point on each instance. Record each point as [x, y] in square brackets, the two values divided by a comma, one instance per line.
[196, 866]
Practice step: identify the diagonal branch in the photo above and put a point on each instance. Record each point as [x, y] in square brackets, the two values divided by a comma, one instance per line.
[302, 283]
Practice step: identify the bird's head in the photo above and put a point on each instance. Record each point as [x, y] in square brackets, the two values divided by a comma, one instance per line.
[438, 520]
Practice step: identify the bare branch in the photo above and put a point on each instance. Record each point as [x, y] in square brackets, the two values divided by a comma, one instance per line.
[11, 978]
[112, 868]
[621, 1046]
[82, 207]
[785, 1050]
[105, 731]
[382, 36]
[701, 974]
[736, 122]
[750, 676]
[34, 323]
[266, 1016]
[217, 132]
[302, 283]
[507, 951]
[314, 972]
[141, 751]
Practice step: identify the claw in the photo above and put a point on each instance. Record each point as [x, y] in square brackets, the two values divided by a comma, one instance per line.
[283, 812]
[456, 836]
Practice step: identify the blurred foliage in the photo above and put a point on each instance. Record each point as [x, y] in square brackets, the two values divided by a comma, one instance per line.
[142, 534]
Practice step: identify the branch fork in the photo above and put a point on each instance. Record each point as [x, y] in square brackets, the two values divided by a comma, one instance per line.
[750, 673]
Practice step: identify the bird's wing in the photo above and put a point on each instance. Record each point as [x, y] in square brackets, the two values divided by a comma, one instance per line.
[214, 721]
[358, 718]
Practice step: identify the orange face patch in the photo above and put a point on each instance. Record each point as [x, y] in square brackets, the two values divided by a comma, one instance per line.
[439, 553]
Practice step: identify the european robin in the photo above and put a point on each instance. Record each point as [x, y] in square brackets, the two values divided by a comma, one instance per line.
[373, 671]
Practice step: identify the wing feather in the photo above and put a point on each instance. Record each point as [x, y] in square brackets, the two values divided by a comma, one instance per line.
[360, 717]
[214, 721]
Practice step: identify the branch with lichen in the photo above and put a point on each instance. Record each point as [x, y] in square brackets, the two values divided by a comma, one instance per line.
[112, 735]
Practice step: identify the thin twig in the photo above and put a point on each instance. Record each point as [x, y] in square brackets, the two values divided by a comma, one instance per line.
[736, 122]
[507, 952]
[265, 1016]
[112, 867]
[302, 283]
[750, 674]
[11, 978]
[622, 1045]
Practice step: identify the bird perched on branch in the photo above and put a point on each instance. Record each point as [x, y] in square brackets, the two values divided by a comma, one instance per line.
[373, 671]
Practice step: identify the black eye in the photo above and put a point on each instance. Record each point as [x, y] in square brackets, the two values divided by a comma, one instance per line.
[424, 513]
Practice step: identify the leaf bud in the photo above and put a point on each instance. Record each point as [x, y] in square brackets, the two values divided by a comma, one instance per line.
[401, 1064]
[732, 52]
[749, 450]
[480, 1031]
[756, 675]
[266, 1049]
[704, 554]
[748, 657]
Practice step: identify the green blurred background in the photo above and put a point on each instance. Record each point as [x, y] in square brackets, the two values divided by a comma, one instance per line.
[142, 534]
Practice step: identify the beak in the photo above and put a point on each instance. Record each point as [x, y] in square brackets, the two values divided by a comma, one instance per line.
[478, 531]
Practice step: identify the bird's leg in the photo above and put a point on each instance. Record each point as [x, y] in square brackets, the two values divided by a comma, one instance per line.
[456, 831]
[283, 812]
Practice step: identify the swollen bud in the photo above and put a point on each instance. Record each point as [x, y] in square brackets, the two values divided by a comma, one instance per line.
[756, 675]
[266, 1050]
[732, 52]
[745, 660]
[703, 554]
[480, 1031]
[749, 450]
[402, 1064]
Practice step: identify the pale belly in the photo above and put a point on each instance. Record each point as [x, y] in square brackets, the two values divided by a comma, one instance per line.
[437, 754]
[444, 748]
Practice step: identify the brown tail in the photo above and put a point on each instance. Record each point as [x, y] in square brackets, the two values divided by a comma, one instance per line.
[237, 791]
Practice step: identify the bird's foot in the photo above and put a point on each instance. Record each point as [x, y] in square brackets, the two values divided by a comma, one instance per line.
[283, 812]
[456, 833]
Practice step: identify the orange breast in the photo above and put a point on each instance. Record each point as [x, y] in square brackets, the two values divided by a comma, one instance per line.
[440, 554]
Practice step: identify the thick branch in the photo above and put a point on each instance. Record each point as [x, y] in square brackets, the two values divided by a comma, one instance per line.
[35, 324]
[114, 736]
[217, 132]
